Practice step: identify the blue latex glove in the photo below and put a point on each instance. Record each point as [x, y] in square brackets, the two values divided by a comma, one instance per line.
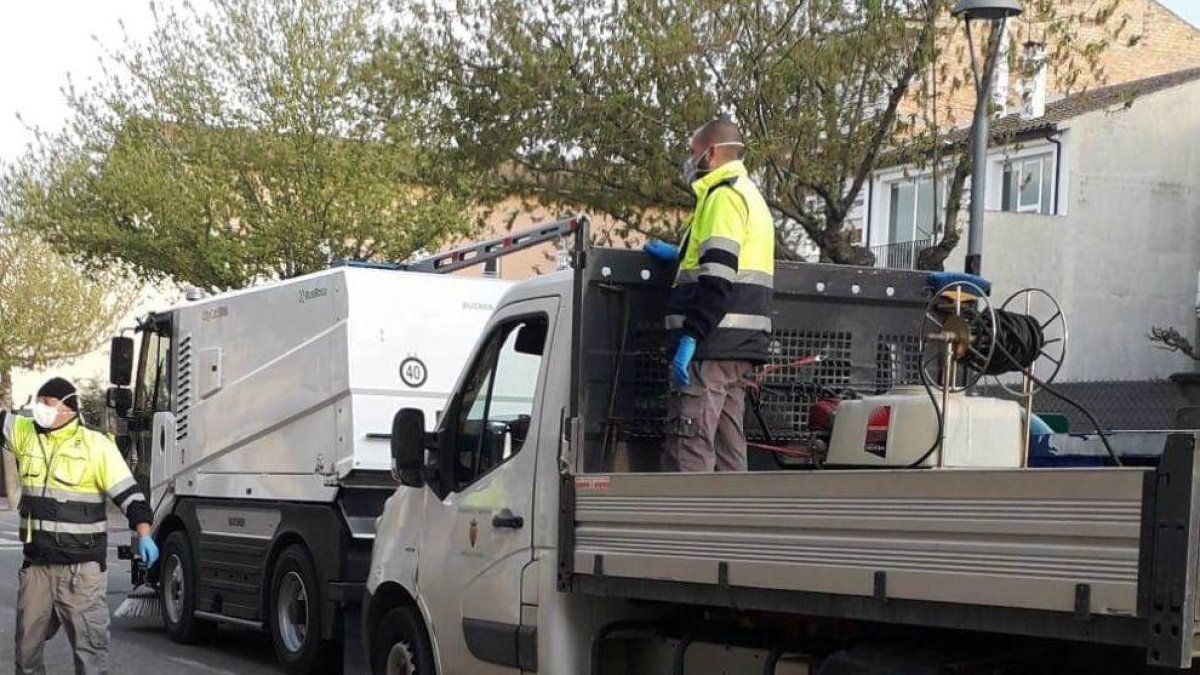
[148, 550]
[661, 251]
[683, 358]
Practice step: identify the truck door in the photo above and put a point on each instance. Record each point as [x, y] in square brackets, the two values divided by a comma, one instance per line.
[152, 425]
[479, 537]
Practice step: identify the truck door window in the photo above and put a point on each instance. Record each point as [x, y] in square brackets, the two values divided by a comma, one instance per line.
[494, 414]
[153, 390]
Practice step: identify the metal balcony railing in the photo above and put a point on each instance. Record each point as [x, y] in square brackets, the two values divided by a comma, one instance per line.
[901, 255]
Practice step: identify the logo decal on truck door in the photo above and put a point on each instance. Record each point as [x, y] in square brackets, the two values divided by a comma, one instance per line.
[412, 371]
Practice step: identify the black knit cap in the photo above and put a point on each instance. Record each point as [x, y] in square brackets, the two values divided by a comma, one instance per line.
[57, 387]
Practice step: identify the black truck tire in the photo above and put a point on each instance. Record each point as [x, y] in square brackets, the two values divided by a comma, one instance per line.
[177, 592]
[294, 616]
[401, 645]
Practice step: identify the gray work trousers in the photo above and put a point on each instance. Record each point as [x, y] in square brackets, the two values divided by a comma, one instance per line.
[74, 595]
[704, 419]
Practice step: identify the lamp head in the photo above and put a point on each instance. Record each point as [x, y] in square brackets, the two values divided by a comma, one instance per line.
[989, 10]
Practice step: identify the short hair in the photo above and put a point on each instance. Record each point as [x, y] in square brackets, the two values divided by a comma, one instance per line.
[720, 130]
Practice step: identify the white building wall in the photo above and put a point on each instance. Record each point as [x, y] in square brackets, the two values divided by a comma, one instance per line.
[1126, 256]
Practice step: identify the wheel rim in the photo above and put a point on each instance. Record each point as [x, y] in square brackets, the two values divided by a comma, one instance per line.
[400, 660]
[1040, 304]
[174, 589]
[981, 321]
[292, 611]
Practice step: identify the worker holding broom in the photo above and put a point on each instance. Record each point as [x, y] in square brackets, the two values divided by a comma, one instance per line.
[67, 472]
[718, 316]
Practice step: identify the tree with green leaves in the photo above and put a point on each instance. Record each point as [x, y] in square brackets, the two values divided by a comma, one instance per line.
[236, 144]
[590, 103]
[51, 310]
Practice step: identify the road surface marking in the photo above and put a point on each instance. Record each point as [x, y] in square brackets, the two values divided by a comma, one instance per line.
[200, 666]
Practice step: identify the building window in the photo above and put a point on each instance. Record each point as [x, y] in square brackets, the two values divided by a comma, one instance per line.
[1029, 185]
[911, 210]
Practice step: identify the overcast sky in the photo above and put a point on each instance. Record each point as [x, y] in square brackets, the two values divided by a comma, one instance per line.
[42, 40]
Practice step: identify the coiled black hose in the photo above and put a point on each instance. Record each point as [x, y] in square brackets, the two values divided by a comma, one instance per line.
[1019, 340]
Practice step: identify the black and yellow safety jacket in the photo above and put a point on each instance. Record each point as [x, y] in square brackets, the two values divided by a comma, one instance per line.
[722, 292]
[66, 475]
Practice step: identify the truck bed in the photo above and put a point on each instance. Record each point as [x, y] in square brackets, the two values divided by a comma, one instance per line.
[1100, 554]
[1089, 554]
[1005, 538]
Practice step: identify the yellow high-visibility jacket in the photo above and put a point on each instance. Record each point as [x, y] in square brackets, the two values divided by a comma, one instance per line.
[66, 475]
[722, 292]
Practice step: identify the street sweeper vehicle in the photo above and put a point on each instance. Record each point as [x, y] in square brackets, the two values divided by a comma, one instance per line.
[894, 520]
[258, 423]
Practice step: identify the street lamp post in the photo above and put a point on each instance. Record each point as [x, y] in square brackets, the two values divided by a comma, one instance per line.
[996, 12]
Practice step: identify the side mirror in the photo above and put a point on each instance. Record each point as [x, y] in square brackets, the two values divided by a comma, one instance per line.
[408, 445]
[119, 400]
[120, 361]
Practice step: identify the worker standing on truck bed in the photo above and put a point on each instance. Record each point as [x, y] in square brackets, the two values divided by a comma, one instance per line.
[718, 317]
[67, 470]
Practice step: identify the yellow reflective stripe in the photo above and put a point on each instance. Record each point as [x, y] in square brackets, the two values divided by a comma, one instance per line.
[737, 321]
[56, 527]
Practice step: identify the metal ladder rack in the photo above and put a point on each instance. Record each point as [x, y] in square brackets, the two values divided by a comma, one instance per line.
[481, 252]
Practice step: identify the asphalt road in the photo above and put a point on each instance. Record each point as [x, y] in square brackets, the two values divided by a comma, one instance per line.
[139, 645]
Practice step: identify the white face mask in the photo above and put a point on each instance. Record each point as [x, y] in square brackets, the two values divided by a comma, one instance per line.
[44, 415]
[691, 166]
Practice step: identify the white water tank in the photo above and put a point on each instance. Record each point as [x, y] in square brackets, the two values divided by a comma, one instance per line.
[896, 429]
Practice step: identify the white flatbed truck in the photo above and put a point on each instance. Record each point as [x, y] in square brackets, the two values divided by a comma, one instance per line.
[258, 424]
[536, 532]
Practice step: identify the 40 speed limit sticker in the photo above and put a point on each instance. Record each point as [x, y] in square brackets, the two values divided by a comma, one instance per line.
[413, 372]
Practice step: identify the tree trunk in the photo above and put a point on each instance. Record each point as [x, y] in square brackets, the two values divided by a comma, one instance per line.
[6, 388]
[8, 466]
[934, 257]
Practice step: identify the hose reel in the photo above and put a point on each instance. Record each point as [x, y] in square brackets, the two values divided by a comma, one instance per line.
[973, 340]
[976, 340]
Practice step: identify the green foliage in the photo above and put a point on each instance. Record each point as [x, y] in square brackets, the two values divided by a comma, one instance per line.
[592, 102]
[50, 310]
[237, 144]
[92, 405]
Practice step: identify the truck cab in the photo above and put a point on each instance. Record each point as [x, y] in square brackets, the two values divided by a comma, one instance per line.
[462, 547]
